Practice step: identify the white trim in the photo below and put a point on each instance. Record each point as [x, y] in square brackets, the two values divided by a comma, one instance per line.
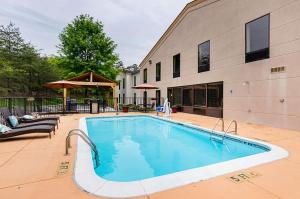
[89, 181]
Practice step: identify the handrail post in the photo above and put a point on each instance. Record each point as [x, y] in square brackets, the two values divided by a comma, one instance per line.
[86, 139]
[220, 119]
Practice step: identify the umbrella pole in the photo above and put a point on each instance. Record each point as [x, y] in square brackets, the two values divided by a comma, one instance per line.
[65, 100]
[145, 103]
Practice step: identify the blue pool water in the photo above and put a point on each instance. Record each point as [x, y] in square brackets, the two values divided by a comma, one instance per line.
[140, 147]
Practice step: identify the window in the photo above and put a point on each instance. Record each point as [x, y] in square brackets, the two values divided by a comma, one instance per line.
[134, 98]
[145, 75]
[187, 96]
[134, 80]
[123, 83]
[123, 98]
[119, 84]
[177, 95]
[157, 96]
[200, 95]
[204, 57]
[215, 95]
[176, 66]
[119, 100]
[258, 39]
[158, 71]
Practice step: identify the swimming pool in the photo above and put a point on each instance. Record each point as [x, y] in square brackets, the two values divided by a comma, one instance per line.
[144, 154]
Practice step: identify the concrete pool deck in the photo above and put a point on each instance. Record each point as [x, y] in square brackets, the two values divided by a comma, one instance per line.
[34, 166]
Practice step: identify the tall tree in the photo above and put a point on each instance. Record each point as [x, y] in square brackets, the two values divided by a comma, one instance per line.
[22, 69]
[85, 47]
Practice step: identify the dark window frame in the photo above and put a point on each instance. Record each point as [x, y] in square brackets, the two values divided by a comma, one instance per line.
[145, 74]
[262, 53]
[176, 73]
[187, 100]
[124, 83]
[158, 75]
[200, 68]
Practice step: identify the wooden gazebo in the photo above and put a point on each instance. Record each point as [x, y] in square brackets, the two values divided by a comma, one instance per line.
[86, 80]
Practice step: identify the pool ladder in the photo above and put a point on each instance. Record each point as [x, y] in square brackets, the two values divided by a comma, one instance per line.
[86, 139]
[227, 130]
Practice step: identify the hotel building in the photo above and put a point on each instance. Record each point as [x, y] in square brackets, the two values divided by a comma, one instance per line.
[236, 59]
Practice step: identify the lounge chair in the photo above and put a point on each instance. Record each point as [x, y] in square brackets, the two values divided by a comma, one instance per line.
[147, 107]
[5, 113]
[20, 113]
[28, 130]
[159, 109]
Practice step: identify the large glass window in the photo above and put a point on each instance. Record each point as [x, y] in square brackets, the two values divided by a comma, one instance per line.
[200, 95]
[204, 57]
[215, 95]
[145, 75]
[158, 71]
[187, 96]
[123, 83]
[176, 66]
[176, 96]
[257, 39]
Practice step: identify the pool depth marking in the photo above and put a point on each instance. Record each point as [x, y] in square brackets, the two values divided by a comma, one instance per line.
[243, 176]
[63, 168]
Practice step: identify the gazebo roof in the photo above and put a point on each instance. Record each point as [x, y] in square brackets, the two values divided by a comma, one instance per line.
[91, 77]
[86, 80]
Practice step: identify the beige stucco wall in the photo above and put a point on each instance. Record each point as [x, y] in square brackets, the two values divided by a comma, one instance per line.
[129, 83]
[223, 23]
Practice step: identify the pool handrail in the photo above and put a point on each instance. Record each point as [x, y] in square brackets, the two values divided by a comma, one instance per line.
[217, 123]
[86, 139]
[227, 130]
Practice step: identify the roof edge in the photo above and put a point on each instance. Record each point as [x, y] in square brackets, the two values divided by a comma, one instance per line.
[170, 28]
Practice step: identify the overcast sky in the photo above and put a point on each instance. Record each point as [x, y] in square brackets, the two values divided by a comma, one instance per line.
[135, 25]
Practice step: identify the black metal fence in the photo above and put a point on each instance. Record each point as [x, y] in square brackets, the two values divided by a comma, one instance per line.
[77, 105]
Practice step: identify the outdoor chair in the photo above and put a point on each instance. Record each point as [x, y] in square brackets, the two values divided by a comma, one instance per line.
[28, 130]
[5, 113]
[149, 107]
[21, 113]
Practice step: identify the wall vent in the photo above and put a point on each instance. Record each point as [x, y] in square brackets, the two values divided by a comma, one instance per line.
[280, 69]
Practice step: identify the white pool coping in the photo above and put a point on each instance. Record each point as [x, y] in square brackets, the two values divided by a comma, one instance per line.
[86, 178]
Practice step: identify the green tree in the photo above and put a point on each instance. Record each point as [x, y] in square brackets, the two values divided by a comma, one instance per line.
[22, 69]
[85, 47]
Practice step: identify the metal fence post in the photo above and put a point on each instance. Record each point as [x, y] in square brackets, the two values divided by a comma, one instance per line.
[25, 105]
[10, 104]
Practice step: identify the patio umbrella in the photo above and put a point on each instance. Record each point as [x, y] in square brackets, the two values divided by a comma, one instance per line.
[62, 84]
[145, 87]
